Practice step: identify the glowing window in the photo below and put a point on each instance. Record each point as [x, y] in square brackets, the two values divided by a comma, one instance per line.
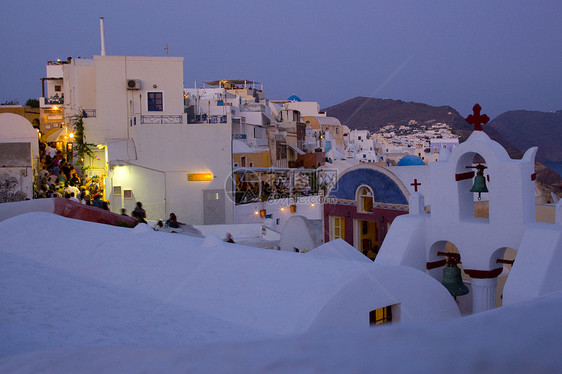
[365, 199]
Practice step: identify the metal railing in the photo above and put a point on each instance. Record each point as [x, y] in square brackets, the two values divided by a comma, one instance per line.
[161, 119]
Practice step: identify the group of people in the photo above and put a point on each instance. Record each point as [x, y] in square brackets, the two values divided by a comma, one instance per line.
[58, 178]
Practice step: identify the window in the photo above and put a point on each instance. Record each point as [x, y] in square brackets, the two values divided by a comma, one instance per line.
[365, 199]
[58, 88]
[380, 316]
[155, 102]
[243, 161]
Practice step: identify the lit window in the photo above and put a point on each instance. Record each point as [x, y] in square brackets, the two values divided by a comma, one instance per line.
[155, 102]
[365, 199]
[380, 316]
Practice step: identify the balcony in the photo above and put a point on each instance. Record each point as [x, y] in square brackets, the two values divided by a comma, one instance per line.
[203, 118]
[161, 119]
[47, 102]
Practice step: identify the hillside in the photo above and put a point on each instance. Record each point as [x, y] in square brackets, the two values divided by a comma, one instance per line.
[510, 130]
[372, 114]
[525, 129]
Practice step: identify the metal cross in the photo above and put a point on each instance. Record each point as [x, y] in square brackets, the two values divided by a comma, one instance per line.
[415, 184]
[476, 118]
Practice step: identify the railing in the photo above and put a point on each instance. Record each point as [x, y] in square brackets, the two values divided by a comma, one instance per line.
[203, 118]
[88, 113]
[54, 100]
[161, 119]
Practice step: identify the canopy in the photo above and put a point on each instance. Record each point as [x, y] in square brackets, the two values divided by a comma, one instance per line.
[52, 135]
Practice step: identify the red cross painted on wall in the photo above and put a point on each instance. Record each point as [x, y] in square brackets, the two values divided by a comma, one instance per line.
[415, 184]
[476, 118]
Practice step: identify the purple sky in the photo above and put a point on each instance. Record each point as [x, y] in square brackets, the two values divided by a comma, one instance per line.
[506, 55]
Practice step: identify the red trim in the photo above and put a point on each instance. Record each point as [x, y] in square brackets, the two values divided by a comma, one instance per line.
[533, 176]
[483, 273]
[435, 264]
[463, 176]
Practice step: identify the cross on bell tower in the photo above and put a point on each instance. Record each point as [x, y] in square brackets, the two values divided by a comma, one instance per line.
[476, 118]
[415, 184]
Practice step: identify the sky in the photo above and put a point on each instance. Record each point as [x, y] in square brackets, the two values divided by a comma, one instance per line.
[132, 300]
[506, 55]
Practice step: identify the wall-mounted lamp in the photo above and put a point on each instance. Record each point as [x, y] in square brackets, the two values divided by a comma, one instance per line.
[200, 177]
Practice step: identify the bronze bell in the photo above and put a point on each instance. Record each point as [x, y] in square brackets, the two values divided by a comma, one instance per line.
[479, 181]
[452, 280]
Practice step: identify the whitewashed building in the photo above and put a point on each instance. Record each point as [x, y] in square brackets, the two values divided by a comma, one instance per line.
[134, 110]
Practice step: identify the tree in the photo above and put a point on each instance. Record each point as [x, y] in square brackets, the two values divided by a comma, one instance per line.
[81, 149]
[33, 103]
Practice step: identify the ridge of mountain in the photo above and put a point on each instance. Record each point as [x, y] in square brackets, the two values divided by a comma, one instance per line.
[510, 129]
[525, 129]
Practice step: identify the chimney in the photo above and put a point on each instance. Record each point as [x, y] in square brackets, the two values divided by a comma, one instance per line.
[102, 37]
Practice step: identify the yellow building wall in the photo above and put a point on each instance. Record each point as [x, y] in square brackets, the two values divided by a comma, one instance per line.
[258, 159]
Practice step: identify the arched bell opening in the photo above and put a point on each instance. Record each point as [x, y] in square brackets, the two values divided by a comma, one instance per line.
[502, 256]
[445, 265]
[473, 186]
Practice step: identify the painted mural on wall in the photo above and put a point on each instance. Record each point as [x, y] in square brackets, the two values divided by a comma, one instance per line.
[361, 207]
[10, 188]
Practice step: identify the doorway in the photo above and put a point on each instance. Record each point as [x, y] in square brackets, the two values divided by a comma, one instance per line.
[367, 234]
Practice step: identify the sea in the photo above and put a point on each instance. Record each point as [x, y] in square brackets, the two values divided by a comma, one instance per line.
[556, 166]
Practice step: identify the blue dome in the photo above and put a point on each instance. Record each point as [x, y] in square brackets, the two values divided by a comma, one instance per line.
[294, 98]
[410, 160]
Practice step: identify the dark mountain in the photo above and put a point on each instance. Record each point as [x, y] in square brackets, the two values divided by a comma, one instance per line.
[371, 114]
[525, 129]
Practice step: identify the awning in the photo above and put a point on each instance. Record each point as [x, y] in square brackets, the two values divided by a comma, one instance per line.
[52, 135]
[297, 150]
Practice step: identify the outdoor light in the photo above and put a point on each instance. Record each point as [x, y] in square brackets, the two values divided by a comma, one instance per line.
[55, 108]
[71, 135]
[282, 209]
[312, 205]
[256, 212]
[200, 177]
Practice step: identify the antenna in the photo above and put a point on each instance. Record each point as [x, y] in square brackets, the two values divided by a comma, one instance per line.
[102, 37]
[166, 49]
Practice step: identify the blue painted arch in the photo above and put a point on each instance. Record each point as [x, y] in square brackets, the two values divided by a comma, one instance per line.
[385, 189]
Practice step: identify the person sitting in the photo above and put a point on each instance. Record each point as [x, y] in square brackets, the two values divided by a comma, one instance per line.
[140, 210]
[139, 217]
[229, 238]
[73, 198]
[98, 203]
[173, 221]
[158, 225]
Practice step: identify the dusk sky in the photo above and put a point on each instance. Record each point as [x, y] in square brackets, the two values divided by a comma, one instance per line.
[506, 55]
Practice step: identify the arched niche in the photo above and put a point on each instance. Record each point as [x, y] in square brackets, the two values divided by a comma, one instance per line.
[470, 207]
[436, 264]
[502, 256]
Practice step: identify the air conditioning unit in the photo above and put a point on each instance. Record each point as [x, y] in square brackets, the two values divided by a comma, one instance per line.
[133, 84]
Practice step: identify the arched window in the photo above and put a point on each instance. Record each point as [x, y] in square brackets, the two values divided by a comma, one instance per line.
[364, 199]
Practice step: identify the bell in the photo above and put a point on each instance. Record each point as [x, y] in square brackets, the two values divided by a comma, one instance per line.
[479, 181]
[452, 280]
